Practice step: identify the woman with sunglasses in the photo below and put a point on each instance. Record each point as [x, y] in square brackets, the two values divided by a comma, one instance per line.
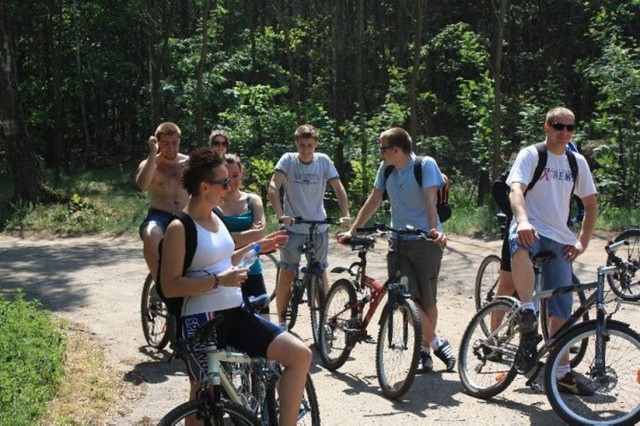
[244, 216]
[219, 142]
[212, 285]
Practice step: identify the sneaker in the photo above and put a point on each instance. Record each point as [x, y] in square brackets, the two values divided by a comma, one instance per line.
[575, 384]
[527, 321]
[445, 354]
[425, 363]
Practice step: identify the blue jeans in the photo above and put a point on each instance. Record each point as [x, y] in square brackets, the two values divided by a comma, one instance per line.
[556, 273]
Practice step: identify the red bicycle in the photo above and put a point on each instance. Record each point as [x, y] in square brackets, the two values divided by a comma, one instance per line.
[344, 320]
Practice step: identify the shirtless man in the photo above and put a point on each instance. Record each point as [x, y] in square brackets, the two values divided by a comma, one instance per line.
[161, 174]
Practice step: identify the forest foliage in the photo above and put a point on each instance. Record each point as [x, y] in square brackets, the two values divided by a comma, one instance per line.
[470, 79]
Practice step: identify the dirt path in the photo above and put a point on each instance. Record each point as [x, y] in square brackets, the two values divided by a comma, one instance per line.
[97, 281]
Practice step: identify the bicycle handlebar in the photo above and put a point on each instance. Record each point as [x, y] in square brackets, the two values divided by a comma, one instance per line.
[298, 220]
[382, 228]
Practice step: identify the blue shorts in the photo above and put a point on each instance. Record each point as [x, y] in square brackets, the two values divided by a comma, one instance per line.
[240, 329]
[556, 273]
[292, 251]
[159, 217]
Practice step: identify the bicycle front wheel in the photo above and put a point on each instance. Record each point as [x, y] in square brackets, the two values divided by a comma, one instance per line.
[339, 318]
[229, 413]
[398, 348]
[613, 375]
[487, 280]
[488, 349]
[271, 273]
[154, 316]
[309, 413]
[315, 297]
[625, 282]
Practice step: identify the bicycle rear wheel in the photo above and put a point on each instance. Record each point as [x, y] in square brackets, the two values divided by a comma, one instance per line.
[271, 273]
[315, 299]
[488, 348]
[487, 280]
[398, 348]
[616, 398]
[625, 283]
[336, 322]
[192, 411]
[154, 316]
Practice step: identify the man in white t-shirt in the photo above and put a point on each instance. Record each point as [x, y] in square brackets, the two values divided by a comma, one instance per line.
[540, 224]
[303, 175]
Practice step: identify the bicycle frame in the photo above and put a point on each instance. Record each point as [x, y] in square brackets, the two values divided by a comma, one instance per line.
[596, 298]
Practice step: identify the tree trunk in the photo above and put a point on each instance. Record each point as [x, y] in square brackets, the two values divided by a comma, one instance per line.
[200, 70]
[57, 131]
[415, 70]
[24, 165]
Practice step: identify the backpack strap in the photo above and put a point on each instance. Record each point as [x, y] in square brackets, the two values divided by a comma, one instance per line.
[417, 173]
[190, 238]
[542, 162]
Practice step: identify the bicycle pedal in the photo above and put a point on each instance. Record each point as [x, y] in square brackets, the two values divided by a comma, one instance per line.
[525, 359]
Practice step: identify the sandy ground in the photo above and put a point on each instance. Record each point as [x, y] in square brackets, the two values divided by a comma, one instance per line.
[96, 281]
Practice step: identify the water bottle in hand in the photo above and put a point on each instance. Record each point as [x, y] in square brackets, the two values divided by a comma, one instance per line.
[249, 257]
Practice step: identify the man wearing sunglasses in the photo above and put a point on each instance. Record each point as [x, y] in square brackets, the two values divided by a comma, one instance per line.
[540, 224]
[161, 174]
[304, 176]
[412, 204]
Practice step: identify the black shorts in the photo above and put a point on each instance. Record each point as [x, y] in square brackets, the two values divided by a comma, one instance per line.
[505, 256]
[239, 329]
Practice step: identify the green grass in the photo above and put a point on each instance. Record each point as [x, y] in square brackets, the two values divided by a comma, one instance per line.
[109, 202]
[101, 201]
[32, 353]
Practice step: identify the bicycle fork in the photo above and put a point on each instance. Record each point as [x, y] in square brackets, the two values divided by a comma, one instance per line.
[398, 291]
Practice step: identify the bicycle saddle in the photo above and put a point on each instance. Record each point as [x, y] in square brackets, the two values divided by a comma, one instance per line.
[359, 241]
[543, 257]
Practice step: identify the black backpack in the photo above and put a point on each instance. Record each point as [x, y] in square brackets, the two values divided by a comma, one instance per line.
[442, 204]
[500, 190]
[174, 304]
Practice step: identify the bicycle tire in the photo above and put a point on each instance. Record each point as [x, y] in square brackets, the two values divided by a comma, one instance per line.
[334, 343]
[617, 394]
[486, 366]
[297, 292]
[577, 352]
[154, 316]
[232, 414]
[626, 283]
[487, 279]
[309, 413]
[271, 273]
[315, 300]
[398, 348]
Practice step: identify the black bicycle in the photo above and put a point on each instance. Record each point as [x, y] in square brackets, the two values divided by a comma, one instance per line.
[624, 281]
[308, 284]
[491, 356]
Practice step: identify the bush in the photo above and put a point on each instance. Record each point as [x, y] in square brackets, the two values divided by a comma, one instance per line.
[31, 360]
